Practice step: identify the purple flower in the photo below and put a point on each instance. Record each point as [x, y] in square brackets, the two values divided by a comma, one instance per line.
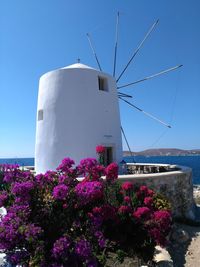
[32, 232]
[17, 257]
[83, 249]
[61, 247]
[22, 189]
[12, 226]
[100, 238]
[89, 191]
[60, 192]
[49, 176]
[65, 165]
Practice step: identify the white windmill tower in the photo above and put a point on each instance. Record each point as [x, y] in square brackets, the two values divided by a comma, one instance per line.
[77, 110]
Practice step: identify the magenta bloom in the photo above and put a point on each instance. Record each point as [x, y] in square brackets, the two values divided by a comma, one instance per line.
[100, 149]
[112, 171]
[158, 236]
[127, 186]
[65, 165]
[127, 199]
[91, 169]
[89, 191]
[124, 209]
[142, 212]
[163, 217]
[60, 192]
[148, 201]
[150, 193]
[144, 189]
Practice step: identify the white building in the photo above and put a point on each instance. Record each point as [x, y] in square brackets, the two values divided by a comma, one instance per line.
[77, 110]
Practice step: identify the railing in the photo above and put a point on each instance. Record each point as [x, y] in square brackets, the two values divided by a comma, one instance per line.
[141, 168]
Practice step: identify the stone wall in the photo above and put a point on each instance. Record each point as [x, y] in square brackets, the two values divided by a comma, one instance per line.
[176, 186]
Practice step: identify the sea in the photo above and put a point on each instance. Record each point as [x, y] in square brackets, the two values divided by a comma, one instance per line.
[189, 161]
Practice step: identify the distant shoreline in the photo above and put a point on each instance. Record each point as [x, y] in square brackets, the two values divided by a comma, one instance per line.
[164, 152]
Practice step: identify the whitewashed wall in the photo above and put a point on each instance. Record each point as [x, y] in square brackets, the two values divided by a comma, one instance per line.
[77, 116]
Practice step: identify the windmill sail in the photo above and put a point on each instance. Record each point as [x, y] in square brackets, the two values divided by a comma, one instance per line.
[138, 49]
[146, 113]
[151, 76]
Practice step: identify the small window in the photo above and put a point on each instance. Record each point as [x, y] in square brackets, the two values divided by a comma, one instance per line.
[40, 115]
[103, 84]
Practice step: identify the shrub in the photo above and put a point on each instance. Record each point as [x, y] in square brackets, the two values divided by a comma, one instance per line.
[55, 220]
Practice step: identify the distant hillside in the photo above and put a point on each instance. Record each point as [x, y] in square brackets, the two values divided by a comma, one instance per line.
[164, 152]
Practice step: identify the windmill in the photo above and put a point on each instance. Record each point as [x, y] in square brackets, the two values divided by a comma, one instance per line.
[78, 109]
[121, 95]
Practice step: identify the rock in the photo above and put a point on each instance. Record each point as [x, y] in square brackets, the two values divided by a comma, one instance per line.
[162, 258]
[180, 236]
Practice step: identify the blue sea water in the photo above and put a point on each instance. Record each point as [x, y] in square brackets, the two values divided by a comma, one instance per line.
[190, 161]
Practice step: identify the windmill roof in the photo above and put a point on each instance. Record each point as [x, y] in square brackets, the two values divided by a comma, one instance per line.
[78, 66]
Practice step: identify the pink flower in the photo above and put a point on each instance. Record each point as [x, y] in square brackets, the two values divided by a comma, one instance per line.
[100, 149]
[150, 192]
[111, 172]
[158, 236]
[142, 212]
[144, 189]
[164, 219]
[127, 199]
[124, 209]
[97, 210]
[127, 186]
[148, 201]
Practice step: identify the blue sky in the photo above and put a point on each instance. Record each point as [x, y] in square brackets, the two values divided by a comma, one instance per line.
[38, 36]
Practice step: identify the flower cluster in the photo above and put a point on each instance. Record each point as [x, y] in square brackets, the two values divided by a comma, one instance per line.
[112, 171]
[91, 169]
[100, 149]
[55, 220]
[88, 192]
[60, 192]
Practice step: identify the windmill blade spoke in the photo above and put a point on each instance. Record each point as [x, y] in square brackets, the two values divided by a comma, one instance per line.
[151, 76]
[146, 113]
[137, 49]
[124, 95]
[93, 51]
[126, 142]
[116, 44]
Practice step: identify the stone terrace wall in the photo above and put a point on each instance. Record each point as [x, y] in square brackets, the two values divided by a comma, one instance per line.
[176, 186]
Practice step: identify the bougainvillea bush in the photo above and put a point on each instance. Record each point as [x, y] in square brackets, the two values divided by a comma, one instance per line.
[53, 219]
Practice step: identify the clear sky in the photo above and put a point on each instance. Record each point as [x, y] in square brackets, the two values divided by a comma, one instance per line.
[37, 36]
